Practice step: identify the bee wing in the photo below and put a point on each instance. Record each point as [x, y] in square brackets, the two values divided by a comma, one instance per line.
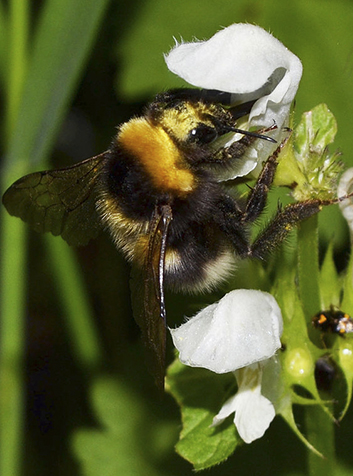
[148, 294]
[62, 201]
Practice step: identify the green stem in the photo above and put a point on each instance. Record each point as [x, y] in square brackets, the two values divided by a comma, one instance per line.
[321, 434]
[308, 266]
[319, 426]
[77, 310]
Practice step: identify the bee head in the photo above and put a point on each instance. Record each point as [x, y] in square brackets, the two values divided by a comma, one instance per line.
[190, 117]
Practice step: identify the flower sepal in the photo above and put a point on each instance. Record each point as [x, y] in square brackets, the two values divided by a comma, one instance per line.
[307, 166]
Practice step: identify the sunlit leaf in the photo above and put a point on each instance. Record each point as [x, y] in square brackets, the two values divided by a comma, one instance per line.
[329, 283]
[199, 393]
[114, 448]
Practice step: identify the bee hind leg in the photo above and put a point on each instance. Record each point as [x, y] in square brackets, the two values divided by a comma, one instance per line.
[282, 223]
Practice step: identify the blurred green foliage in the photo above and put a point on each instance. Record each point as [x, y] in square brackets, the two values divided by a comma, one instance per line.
[70, 71]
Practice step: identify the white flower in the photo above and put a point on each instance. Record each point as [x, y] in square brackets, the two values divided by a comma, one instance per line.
[251, 64]
[244, 327]
[253, 411]
[345, 187]
[238, 334]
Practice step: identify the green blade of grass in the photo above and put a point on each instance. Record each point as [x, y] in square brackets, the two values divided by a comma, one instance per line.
[17, 36]
[3, 43]
[12, 345]
[76, 305]
[62, 41]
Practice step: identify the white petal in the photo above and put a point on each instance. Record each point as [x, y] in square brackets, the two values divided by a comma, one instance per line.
[250, 63]
[244, 60]
[229, 407]
[253, 412]
[242, 328]
[253, 415]
[239, 59]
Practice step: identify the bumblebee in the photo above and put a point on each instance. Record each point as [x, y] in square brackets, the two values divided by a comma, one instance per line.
[157, 189]
[334, 321]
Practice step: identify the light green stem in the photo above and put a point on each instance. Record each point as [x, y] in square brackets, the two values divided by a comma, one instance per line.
[308, 266]
[319, 426]
[320, 433]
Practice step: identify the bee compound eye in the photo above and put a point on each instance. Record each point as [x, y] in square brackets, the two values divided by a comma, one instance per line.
[203, 134]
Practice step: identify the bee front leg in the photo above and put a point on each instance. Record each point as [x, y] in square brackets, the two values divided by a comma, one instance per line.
[231, 154]
[257, 198]
[234, 221]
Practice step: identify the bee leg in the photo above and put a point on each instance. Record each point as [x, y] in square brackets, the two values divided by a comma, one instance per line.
[235, 220]
[228, 217]
[282, 224]
[257, 199]
[230, 221]
[235, 151]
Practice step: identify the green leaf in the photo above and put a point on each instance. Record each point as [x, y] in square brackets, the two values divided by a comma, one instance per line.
[200, 394]
[344, 356]
[287, 414]
[316, 130]
[86, 346]
[298, 356]
[321, 169]
[330, 286]
[113, 449]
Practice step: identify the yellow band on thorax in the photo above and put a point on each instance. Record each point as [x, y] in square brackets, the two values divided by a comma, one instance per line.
[157, 153]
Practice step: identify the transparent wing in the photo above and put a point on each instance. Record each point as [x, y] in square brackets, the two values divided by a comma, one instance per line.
[148, 294]
[62, 201]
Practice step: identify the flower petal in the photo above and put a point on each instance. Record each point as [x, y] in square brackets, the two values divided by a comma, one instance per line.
[250, 63]
[253, 415]
[242, 328]
[253, 411]
[228, 60]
